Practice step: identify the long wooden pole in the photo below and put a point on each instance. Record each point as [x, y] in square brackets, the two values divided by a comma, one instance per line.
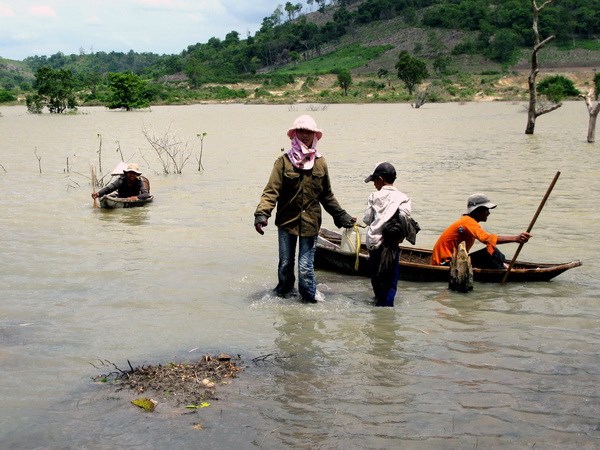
[537, 213]
[94, 183]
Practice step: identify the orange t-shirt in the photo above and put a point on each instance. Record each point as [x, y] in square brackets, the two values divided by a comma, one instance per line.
[464, 229]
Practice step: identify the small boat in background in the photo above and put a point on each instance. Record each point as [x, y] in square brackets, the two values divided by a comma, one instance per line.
[111, 201]
[415, 264]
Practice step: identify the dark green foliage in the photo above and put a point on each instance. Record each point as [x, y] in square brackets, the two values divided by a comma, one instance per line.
[372, 84]
[557, 87]
[468, 46]
[55, 90]
[503, 46]
[102, 62]
[289, 42]
[441, 65]
[344, 79]
[411, 71]
[564, 19]
[127, 91]
[224, 93]
[35, 104]
[597, 85]
[6, 96]
[381, 73]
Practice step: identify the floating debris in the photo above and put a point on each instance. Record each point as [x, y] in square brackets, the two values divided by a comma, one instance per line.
[201, 405]
[184, 383]
[147, 404]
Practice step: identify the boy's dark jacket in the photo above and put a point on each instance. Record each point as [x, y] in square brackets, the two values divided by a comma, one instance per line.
[399, 227]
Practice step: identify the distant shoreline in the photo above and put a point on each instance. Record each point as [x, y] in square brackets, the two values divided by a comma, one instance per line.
[511, 87]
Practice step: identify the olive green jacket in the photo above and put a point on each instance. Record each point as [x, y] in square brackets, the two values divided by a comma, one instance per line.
[299, 195]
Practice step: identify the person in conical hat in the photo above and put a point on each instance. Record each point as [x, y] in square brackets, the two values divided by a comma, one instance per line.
[129, 185]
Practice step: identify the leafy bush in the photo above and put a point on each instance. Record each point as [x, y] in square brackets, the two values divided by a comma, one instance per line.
[35, 104]
[261, 92]
[557, 87]
[6, 96]
[452, 90]
[279, 80]
[434, 97]
[371, 84]
[466, 47]
[224, 93]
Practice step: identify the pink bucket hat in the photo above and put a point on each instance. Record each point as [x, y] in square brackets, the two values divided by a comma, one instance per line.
[305, 123]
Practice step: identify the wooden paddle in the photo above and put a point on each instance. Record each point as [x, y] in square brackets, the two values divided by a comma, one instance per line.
[94, 183]
[537, 213]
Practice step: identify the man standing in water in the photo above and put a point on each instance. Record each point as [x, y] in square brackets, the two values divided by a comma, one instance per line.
[299, 184]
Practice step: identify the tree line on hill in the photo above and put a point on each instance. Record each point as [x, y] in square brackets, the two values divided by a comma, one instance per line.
[496, 29]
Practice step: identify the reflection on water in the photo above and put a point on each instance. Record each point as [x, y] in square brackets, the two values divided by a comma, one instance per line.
[129, 216]
[501, 367]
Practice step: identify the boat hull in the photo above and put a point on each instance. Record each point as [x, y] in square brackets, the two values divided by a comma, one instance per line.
[414, 264]
[114, 202]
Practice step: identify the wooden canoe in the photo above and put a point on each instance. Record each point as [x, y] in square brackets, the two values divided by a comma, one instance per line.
[111, 201]
[415, 264]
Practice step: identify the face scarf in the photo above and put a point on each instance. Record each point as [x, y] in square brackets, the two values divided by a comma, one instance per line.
[301, 156]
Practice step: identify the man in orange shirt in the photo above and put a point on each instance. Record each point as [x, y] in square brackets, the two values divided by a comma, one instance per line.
[467, 229]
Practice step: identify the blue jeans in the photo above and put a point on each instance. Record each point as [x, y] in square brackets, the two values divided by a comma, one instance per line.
[307, 284]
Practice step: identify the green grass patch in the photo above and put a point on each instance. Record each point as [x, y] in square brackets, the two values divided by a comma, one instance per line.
[586, 44]
[349, 57]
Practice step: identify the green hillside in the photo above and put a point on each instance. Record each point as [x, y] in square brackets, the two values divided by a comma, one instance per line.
[467, 45]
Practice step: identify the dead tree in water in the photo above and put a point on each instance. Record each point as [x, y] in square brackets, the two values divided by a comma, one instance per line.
[421, 97]
[593, 110]
[201, 136]
[169, 149]
[533, 112]
[39, 158]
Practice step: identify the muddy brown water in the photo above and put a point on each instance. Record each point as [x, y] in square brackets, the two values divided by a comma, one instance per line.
[502, 367]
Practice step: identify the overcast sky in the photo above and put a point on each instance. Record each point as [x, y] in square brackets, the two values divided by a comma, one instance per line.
[45, 27]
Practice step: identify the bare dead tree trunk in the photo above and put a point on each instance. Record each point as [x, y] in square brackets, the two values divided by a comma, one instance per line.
[39, 158]
[201, 136]
[593, 110]
[533, 112]
[100, 154]
[421, 97]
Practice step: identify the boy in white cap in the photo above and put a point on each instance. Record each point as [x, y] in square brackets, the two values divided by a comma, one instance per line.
[467, 229]
[299, 184]
[383, 207]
